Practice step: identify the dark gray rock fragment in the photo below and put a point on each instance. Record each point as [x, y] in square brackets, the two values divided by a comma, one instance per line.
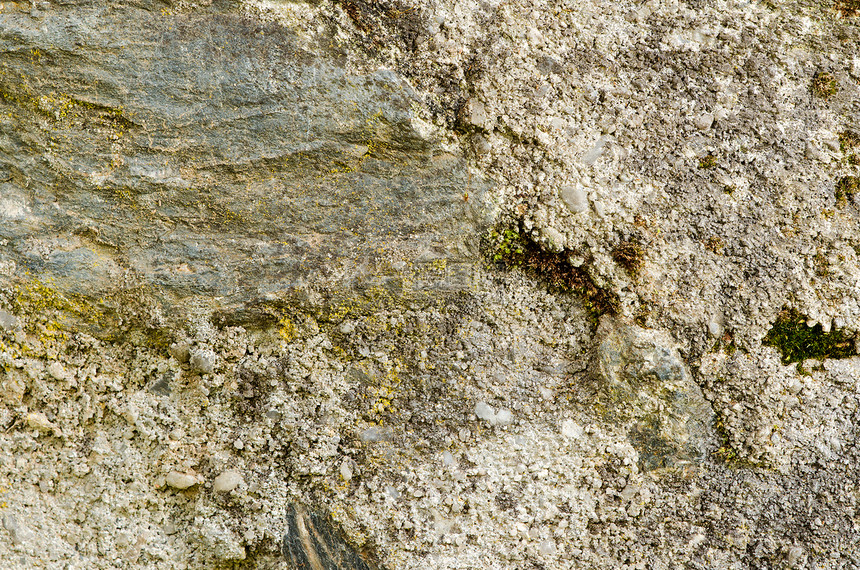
[313, 542]
[162, 385]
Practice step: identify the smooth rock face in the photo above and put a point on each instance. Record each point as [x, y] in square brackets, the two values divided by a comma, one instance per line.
[219, 157]
[650, 390]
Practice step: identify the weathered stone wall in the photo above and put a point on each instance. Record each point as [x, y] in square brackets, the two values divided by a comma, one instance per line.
[429, 284]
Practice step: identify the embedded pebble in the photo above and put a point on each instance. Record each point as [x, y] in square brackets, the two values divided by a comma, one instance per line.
[345, 471]
[485, 412]
[180, 480]
[504, 417]
[795, 556]
[226, 481]
[56, 370]
[575, 198]
[571, 429]
[596, 151]
[8, 321]
[39, 421]
[180, 351]
[18, 532]
[202, 361]
[704, 121]
[377, 434]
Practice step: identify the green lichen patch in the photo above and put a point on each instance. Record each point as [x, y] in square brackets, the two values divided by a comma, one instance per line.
[512, 248]
[846, 188]
[507, 246]
[824, 85]
[849, 143]
[798, 342]
[729, 449]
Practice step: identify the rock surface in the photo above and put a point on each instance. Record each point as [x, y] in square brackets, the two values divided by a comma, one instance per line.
[647, 386]
[248, 319]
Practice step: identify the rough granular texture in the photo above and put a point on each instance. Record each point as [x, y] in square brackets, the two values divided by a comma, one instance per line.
[412, 284]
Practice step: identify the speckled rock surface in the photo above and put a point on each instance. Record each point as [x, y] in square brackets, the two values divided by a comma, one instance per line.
[248, 319]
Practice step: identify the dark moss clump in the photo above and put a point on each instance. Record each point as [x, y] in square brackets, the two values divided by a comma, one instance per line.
[824, 84]
[847, 8]
[630, 256]
[798, 342]
[848, 140]
[820, 264]
[846, 188]
[382, 23]
[513, 248]
[715, 244]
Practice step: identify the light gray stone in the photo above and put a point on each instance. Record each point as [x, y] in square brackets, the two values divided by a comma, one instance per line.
[652, 394]
[202, 361]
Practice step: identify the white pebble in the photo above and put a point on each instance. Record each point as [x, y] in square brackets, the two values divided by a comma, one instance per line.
[485, 412]
[227, 481]
[179, 480]
[203, 361]
[56, 370]
[571, 429]
[715, 325]
[575, 198]
[345, 471]
[795, 556]
[39, 421]
[504, 417]
[596, 151]
[704, 122]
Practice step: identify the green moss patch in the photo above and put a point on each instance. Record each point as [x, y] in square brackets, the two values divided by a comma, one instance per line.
[798, 342]
[708, 162]
[848, 140]
[512, 248]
